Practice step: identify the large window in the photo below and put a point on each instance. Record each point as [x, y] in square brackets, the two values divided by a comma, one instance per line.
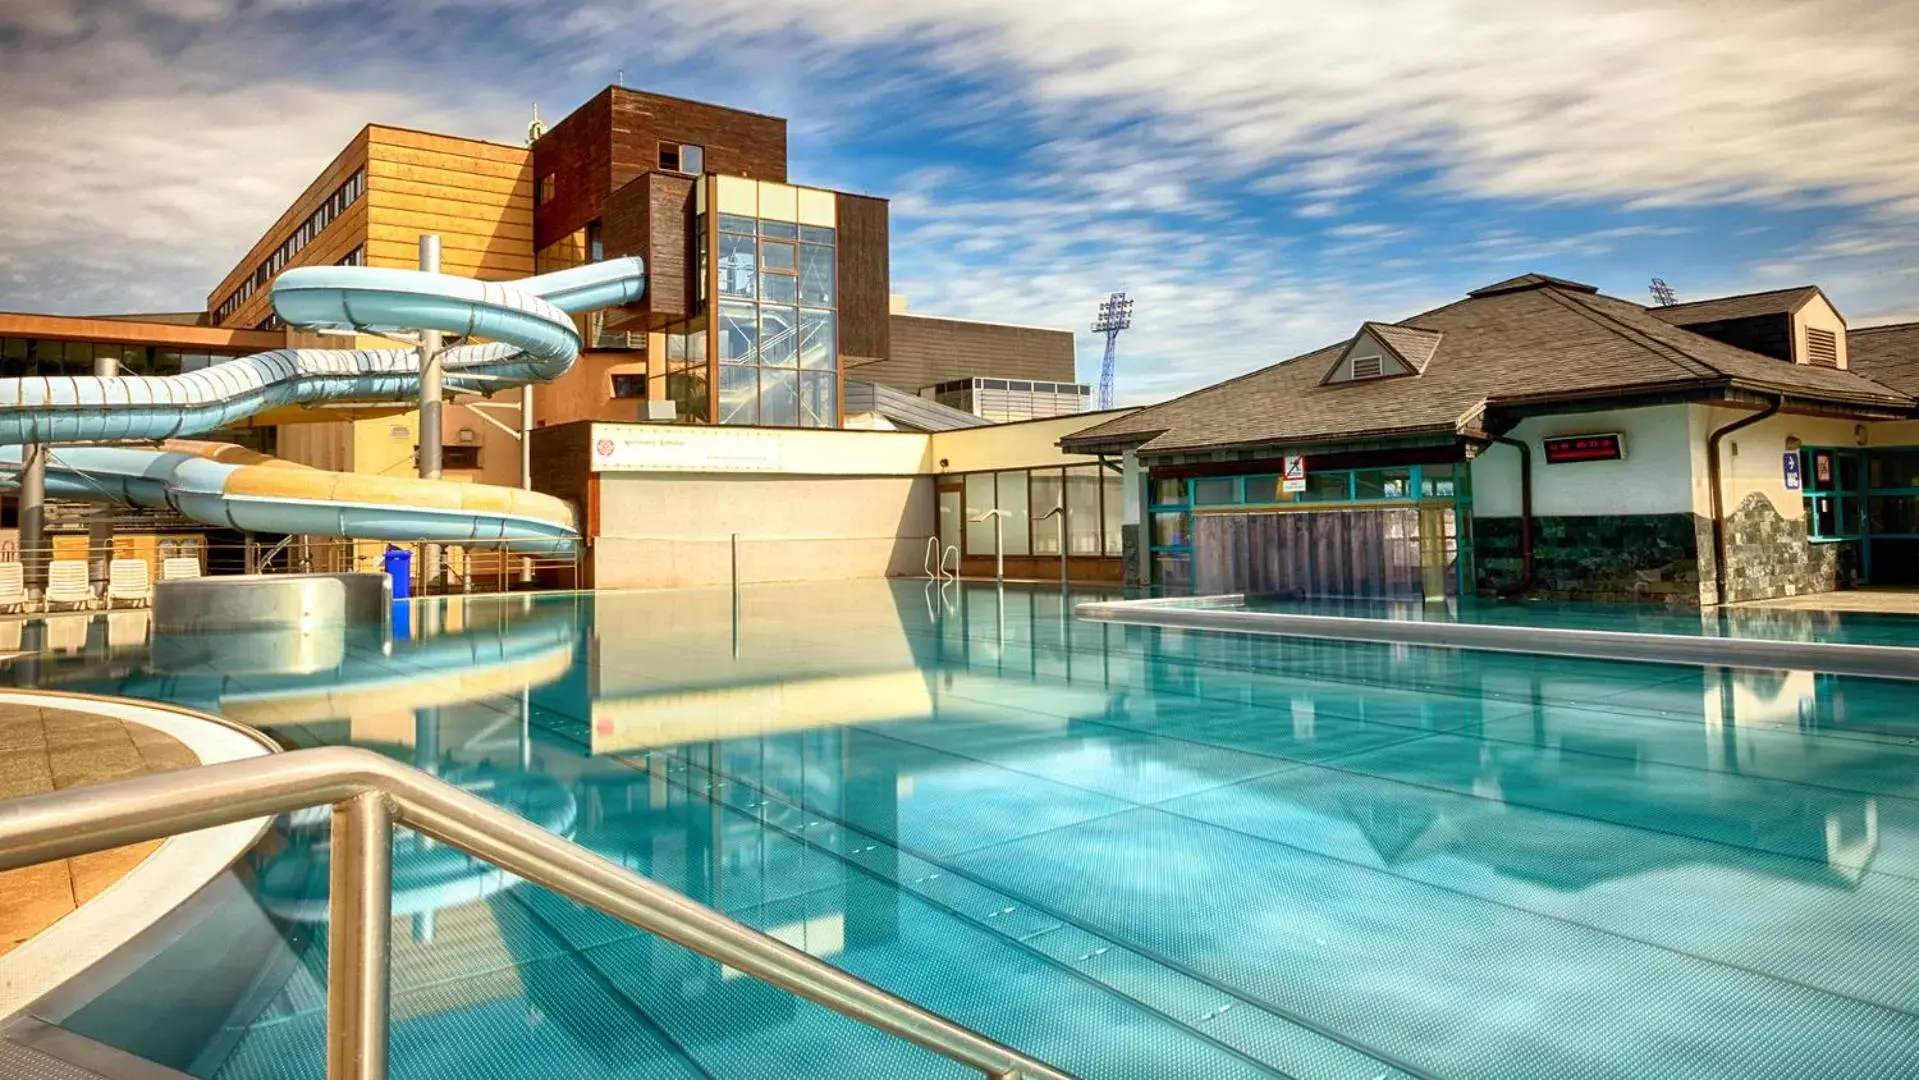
[777, 329]
[1031, 499]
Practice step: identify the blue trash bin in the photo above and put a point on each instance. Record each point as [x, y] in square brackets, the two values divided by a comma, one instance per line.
[399, 567]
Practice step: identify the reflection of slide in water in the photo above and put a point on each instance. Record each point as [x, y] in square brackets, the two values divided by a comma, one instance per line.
[308, 677]
[530, 338]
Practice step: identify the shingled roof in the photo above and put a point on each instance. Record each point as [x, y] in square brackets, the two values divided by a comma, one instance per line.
[1522, 342]
[1887, 354]
[1743, 306]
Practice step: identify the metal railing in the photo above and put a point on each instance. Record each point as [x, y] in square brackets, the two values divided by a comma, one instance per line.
[370, 794]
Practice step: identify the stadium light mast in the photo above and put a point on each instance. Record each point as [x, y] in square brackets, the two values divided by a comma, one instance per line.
[1115, 314]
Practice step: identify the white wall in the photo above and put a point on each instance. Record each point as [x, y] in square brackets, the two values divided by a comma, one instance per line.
[668, 530]
[1655, 477]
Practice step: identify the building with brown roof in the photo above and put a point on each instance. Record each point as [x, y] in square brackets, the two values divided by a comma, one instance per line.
[1537, 436]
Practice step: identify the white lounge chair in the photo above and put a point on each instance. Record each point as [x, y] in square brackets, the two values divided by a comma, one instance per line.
[13, 587]
[67, 584]
[128, 582]
[177, 567]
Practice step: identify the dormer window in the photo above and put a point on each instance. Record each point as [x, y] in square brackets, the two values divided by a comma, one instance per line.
[1383, 350]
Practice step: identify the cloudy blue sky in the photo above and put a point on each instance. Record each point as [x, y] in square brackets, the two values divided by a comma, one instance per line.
[1260, 175]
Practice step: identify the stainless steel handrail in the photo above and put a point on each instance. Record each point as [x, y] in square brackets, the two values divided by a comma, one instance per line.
[370, 794]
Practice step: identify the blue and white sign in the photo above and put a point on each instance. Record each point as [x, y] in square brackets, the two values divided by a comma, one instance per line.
[1792, 472]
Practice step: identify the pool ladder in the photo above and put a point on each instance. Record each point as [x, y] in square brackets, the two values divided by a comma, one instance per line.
[936, 560]
[369, 795]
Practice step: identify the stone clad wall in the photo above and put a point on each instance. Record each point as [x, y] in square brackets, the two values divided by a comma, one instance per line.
[1768, 555]
[1626, 557]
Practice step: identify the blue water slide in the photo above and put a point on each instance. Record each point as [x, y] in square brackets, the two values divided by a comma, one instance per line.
[529, 338]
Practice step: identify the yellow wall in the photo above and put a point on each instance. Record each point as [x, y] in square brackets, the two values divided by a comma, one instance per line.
[1752, 459]
[1820, 314]
[477, 196]
[1012, 446]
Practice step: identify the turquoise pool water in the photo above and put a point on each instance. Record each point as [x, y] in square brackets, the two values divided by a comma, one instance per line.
[1131, 852]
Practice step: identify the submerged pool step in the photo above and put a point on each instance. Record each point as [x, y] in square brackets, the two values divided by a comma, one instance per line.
[1259, 1035]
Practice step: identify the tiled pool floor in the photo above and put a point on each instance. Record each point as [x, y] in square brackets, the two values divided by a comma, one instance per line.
[1131, 852]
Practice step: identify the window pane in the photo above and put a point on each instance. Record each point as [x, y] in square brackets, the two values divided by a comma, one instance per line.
[166, 361]
[688, 391]
[1825, 519]
[779, 336]
[779, 230]
[734, 223]
[1216, 490]
[819, 399]
[1113, 499]
[1169, 493]
[1383, 483]
[1889, 469]
[1012, 499]
[736, 265]
[980, 498]
[739, 395]
[779, 397]
[816, 275]
[816, 234]
[1849, 472]
[692, 159]
[1169, 529]
[1895, 514]
[739, 333]
[1045, 491]
[629, 386]
[818, 349]
[1082, 511]
[778, 256]
[13, 357]
[779, 289]
[1328, 486]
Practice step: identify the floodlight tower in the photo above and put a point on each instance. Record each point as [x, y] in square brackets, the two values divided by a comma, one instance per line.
[1115, 314]
[1662, 293]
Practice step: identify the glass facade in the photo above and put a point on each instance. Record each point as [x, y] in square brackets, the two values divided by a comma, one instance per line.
[1041, 506]
[35, 356]
[776, 343]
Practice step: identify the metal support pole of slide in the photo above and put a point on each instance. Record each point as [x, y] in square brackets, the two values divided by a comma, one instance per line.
[430, 402]
[100, 522]
[33, 518]
[526, 466]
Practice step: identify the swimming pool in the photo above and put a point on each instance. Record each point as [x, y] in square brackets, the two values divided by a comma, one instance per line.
[1131, 852]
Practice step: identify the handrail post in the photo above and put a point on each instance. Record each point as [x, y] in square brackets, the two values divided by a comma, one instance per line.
[360, 916]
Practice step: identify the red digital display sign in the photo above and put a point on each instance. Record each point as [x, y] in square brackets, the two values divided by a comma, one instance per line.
[1564, 448]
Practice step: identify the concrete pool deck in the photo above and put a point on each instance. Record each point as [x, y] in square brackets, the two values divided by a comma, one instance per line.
[1881, 600]
[50, 749]
[59, 917]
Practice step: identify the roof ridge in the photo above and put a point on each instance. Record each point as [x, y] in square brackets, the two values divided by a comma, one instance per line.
[1740, 296]
[1637, 336]
[1882, 326]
